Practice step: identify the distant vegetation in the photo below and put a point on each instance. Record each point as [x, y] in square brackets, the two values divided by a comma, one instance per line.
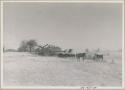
[10, 50]
[33, 47]
[27, 46]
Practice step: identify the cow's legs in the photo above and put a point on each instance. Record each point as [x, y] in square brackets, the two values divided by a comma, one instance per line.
[101, 59]
[78, 59]
[83, 59]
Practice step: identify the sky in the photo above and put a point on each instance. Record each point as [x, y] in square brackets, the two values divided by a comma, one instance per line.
[68, 25]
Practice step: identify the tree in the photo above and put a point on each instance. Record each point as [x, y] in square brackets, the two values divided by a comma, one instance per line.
[86, 50]
[98, 50]
[70, 50]
[31, 44]
[23, 46]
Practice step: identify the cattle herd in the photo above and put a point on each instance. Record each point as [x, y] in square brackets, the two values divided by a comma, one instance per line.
[83, 56]
[45, 50]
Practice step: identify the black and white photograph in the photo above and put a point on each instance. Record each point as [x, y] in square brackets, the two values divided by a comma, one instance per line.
[62, 44]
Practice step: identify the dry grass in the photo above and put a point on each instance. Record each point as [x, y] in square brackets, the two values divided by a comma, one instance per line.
[24, 69]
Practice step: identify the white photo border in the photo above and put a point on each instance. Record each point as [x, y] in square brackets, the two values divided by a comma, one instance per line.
[64, 1]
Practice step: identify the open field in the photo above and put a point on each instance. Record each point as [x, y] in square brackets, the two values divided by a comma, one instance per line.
[24, 69]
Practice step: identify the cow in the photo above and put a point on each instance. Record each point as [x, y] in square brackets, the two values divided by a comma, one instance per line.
[98, 57]
[80, 55]
[66, 55]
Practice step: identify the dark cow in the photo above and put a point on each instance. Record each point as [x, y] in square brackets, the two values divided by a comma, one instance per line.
[98, 57]
[80, 55]
[66, 55]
